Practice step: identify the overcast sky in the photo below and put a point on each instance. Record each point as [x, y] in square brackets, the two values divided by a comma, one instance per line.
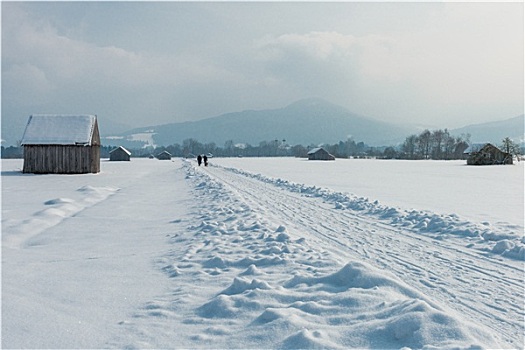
[143, 63]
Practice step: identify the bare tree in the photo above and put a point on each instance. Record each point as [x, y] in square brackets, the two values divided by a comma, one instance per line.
[409, 147]
[424, 140]
[511, 148]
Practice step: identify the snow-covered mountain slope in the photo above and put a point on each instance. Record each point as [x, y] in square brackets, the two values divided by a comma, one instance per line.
[164, 254]
[308, 121]
[495, 132]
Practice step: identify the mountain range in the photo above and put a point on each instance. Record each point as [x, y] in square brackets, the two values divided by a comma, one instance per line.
[495, 132]
[308, 122]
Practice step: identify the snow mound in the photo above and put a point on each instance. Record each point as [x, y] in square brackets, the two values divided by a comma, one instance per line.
[306, 339]
[29, 231]
[352, 275]
[220, 307]
[58, 201]
[240, 286]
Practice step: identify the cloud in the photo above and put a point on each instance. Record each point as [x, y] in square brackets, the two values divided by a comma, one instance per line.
[307, 63]
[435, 63]
[321, 46]
[347, 69]
[26, 82]
[431, 72]
[70, 75]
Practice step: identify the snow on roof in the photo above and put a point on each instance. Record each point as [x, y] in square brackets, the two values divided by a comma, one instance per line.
[475, 147]
[314, 150]
[121, 148]
[52, 129]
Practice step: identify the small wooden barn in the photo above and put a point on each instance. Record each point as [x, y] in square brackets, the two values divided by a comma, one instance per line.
[319, 154]
[486, 154]
[61, 144]
[120, 154]
[165, 155]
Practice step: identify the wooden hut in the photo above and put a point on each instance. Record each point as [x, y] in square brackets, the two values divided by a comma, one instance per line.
[486, 154]
[165, 155]
[120, 154]
[319, 154]
[61, 144]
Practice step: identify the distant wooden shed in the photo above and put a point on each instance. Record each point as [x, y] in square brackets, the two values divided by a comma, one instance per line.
[61, 144]
[319, 154]
[165, 155]
[120, 154]
[486, 154]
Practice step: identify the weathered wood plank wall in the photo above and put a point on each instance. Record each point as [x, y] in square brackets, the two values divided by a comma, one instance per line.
[60, 159]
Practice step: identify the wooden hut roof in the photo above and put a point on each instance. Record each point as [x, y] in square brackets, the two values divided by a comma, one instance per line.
[475, 147]
[122, 149]
[315, 150]
[52, 129]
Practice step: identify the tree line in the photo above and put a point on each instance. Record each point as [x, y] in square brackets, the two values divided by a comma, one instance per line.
[440, 145]
[273, 148]
[437, 144]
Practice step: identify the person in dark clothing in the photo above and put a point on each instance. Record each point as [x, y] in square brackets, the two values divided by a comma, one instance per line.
[199, 159]
[205, 160]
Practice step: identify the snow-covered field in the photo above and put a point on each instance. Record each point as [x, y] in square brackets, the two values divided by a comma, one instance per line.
[264, 253]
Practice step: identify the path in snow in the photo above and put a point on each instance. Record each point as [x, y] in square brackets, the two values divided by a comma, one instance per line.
[259, 266]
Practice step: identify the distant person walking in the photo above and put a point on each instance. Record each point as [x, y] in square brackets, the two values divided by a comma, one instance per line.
[199, 159]
[205, 160]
